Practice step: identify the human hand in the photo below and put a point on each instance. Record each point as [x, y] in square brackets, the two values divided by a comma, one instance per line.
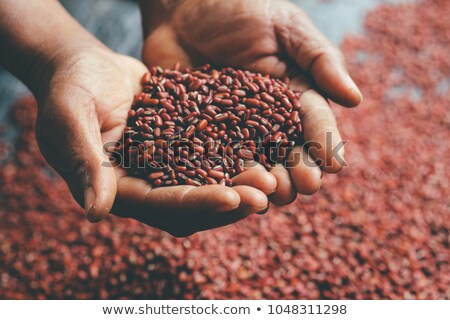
[83, 106]
[84, 92]
[272, 37]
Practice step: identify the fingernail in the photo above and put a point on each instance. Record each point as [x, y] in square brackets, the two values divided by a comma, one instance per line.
[89, 198]
[264, 211]
[226, 208]
[354, 91]
[320, 184]
[357, 93]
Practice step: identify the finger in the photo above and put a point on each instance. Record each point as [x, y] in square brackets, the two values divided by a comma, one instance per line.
[286, 192]
[321, 133]
[252, 201]
[304, 171]
[316, 55]
[72, 144]
[155, 54]
[135, 69]
[258, 179]
[136, 199]
[184, 210]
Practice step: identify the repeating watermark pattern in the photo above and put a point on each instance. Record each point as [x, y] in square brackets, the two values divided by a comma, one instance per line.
[155, 155]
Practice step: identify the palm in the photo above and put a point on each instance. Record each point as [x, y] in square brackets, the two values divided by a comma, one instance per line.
[87, 107]
[229, 33]
[90, 96]
[101, 83]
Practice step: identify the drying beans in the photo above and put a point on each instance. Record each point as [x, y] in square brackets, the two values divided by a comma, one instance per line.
[378, 230]
[199, 114]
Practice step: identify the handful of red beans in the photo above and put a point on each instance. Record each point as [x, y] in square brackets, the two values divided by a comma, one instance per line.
[199, 126]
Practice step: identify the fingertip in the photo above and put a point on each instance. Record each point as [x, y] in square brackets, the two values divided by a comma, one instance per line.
[310, 183]
[332, 77]
[95, 214]
[252, 199]
[229, 200]
[259, 179]
[96, 207]
[357, 97]
[216, 198]
[332, 168]
[285, 193]
[332, 158]
[312, 187]
[265, 210]
[92, 212]
[304, 172]
[351, 98]
[99, 196]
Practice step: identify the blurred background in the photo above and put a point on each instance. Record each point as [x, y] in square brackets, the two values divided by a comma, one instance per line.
[379, 229]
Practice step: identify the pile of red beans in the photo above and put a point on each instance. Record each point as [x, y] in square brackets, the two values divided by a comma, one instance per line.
[199, 126]
[379, 229]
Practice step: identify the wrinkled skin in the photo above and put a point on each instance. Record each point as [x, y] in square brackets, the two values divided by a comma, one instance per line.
[85, 106]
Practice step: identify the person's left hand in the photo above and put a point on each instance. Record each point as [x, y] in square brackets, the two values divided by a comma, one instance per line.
[272, 37]
[83, 108]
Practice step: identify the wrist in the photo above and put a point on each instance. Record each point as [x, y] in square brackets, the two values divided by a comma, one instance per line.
[31, 46]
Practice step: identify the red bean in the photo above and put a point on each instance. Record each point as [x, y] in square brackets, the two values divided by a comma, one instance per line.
[170, 124]
[226, 102]
[168, 106]
[245, 154]
[263, 130]
[295, 117]
[251, 123]
[211, 180]
[245, 106]
[252, 102]
[202, 125]
[201, 172]
[286, 103]
[210, 110]
[216, 174]
[278, 118]
[239, 93]
[221, 117]
[267, 97]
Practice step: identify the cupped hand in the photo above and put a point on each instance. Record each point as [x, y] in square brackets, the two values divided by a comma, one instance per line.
[272, 37]
[84, 106]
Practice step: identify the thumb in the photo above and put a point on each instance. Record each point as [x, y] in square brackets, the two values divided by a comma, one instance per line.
[99, 181]
[71, 142]
[317, 56]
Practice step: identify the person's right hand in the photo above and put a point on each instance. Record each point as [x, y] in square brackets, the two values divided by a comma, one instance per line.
[272, 37]
[84, 99]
